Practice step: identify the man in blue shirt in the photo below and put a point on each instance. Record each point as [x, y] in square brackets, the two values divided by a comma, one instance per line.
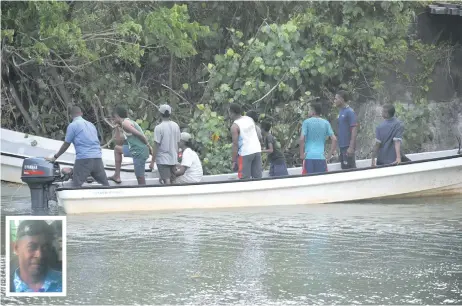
[347, 131]
[388, 138]
[315, 131]
[88, 157]
[33, 247]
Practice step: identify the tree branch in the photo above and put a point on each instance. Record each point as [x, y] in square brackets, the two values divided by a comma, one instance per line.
[274, 87]
[184, 99]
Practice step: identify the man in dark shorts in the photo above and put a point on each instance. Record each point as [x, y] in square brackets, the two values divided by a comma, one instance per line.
[315, 131]
[246, 148]
[166, 145]
[136, 145]
[88, 157]
[347, 131]
[388, 138]
[276, 158]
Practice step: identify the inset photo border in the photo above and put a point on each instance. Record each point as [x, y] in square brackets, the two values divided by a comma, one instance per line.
[36, 251]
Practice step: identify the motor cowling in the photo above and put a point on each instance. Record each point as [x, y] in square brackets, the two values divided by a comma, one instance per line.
[39, 174]
[36, 170]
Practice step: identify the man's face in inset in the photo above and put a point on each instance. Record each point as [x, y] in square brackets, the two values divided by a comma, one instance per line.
[33, 253]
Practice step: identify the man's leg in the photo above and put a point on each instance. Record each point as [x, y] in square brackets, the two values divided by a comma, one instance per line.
[320, 165]
[98, 172]
[280, 170]
[165, 173]
[256, 167]
[245, 166]
[343, 158]
[118, 151]
[271, 170]
[82, 169]
[352, 161]
[139, 165]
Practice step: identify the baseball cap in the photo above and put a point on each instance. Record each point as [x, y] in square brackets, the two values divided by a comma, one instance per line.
[165, 107]
[185, 136]
[34, 228]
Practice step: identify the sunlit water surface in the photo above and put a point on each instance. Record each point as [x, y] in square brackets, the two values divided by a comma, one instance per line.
[371, 253]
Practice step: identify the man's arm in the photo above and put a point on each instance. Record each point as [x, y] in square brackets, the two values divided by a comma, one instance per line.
[333, 145]
[375, 151]
[354, 132]
[398, 151]
[376, 148]
[270, 149]
[63, 149]
[301, 143]
[397, 140]
[235, 136]
[70, 135]
[127, 126]
[180, 170]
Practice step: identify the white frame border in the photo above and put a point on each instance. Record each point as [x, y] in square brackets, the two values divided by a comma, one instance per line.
[7, 255]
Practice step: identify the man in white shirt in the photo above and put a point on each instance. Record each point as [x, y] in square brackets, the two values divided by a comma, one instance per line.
[246, 146]
[190, 169]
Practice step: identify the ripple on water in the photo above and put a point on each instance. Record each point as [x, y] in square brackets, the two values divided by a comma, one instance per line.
[319, 254]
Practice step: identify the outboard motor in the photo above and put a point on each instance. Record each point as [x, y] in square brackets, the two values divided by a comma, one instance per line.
[39, 174]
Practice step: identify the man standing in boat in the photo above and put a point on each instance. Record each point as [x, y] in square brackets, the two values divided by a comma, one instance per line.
[347, 131]
[88, 157]
[276, 158]
[166, 144]
[190, 169]
[253, 114]
[246, 155]
[136, 147]
[388, 138]
[315, 131]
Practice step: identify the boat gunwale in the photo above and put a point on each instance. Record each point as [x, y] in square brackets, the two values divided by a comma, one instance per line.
[109, 168]
[259, 179]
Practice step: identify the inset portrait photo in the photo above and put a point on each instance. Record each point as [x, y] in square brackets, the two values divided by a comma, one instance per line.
[36, 255]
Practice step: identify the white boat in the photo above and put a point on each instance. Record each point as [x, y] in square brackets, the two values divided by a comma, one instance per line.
[16, 146]
[429, 174]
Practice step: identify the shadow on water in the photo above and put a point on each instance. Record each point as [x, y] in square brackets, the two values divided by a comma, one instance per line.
[406, 252]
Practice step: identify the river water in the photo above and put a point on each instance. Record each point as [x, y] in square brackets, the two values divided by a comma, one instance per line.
[371, 253]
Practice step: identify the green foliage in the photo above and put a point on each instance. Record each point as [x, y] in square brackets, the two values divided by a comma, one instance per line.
[415, 119]
[212, 139]
[211, 54]
[171, 29]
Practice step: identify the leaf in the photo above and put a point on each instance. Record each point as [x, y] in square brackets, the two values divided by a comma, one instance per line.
[185, 86]
[230, 52]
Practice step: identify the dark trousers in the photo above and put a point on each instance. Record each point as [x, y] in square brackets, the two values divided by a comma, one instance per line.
[347, 162]
[278, 169]
[86, 167]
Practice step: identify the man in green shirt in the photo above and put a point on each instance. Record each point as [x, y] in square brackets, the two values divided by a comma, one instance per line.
[136, 145]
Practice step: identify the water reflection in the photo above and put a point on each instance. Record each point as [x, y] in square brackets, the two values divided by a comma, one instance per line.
[332, 254]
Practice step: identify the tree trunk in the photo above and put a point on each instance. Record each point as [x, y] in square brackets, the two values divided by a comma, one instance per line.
[23, 111]
[55, 81]
[170, 79]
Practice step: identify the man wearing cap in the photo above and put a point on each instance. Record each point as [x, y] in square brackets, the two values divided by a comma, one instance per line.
[33, 247]
[190, 169]
[88, 155]
[166, 143]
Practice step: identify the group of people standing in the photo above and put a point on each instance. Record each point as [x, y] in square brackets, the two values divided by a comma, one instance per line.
[249, 141]
[132, 142]
[248, 137]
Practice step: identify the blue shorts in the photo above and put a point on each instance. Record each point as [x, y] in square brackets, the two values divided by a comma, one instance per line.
[138, 163]
[311, 166]
[278, 169]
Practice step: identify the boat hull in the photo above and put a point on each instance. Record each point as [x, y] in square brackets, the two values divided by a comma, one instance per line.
[356, 185]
